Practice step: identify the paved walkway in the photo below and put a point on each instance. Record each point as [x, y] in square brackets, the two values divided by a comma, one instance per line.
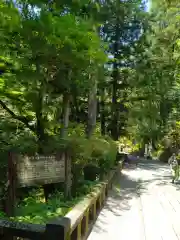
[143, 205]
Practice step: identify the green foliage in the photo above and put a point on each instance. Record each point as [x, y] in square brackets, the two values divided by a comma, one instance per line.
[33, 209]
[53, 56]
[129, 143]
[2, 214]
[94, 150]
[74, 73]
[157, 71]
[178, 157]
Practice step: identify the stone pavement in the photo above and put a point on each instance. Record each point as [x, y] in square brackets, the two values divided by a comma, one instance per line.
[143, 205]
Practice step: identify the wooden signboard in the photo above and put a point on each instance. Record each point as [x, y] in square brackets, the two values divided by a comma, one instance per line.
[40, 170]
[26, 171]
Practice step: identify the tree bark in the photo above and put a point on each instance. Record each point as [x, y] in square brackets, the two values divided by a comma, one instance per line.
[102, 112]
[40, 124]
[92, 109]
[75, 115]
[65, 115]
[114, 123]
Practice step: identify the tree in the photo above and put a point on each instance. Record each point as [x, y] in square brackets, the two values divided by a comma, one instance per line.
[157, 79]
[55, 56]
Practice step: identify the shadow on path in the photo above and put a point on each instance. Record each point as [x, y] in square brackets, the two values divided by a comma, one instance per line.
[124, 198]
[119, 201]
[124, 189]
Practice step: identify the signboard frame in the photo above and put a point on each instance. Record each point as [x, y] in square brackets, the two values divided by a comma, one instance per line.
[17, 162]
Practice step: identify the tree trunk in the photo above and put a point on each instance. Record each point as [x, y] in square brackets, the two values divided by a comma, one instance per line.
[102, 112]
[123, 112]
[40, 121]
[48, 188]
[65, 115]
[114, 124]
[64, 134]
[75, 115]
[92, 109]
[115, 75]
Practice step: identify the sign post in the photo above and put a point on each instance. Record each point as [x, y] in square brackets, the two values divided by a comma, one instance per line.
[11, 185]
[26, 171]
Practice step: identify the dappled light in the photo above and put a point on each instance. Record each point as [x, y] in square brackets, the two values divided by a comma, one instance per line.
[143, 204]
[89, 119]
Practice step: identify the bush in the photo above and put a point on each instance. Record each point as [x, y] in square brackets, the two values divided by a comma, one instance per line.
[36, 210]
[91, 172]
[91, 158]
[93, 150]
[169, 144]
[133, 147]
[96, 155]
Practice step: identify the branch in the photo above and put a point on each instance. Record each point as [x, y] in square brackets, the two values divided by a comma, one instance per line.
[19, 118]
[136, 99]
[13, 97]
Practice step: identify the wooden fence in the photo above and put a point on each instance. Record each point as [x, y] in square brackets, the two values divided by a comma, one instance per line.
[76, 225]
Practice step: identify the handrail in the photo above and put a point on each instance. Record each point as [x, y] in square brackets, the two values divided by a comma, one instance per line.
[75, 225]
[93, 202]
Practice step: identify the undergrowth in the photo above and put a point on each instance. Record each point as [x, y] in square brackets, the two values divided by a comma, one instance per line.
[97, 151]
[34, 209]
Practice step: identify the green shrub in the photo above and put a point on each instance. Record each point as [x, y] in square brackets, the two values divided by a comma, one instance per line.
[104, 152]
[96, 152]
[92, 150]
[133, 147]
[91, 172]
[36, 210]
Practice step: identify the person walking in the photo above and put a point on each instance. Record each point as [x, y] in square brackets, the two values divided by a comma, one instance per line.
[174, 167]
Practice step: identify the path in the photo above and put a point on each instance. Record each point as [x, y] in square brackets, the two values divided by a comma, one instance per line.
[146, 208]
